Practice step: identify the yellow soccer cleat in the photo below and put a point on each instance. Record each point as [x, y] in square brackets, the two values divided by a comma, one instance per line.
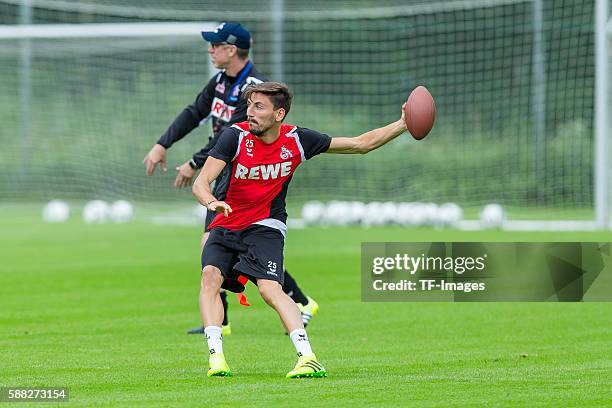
[218, 366]
[308, 311]
[307, 366]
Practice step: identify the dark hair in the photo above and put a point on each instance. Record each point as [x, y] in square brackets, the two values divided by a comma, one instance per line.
[279, 94]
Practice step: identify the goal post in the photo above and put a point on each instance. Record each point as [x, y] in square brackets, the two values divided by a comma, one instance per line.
[603, 30]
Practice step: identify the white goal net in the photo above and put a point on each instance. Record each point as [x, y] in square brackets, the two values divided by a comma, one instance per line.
[513, 82]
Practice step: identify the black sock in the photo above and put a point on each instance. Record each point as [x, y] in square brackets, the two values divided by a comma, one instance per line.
[224, 301]
[291, 288]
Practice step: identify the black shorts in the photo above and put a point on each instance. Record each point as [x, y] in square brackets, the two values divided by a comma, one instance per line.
[255, 252]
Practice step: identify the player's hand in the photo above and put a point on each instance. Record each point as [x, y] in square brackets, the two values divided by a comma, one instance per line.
[184, 178]
[157, 155]
[220, 206]
[403, 118]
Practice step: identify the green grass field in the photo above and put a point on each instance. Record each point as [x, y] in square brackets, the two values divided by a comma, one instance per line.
[103, 310]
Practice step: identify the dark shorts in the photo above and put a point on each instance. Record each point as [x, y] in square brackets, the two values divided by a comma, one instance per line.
[255, 252]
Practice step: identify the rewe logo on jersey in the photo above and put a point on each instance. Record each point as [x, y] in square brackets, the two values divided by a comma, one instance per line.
[263, 171]
[221, 110]
[285, 153]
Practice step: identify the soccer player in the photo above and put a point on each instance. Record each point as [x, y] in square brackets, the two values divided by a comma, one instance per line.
[247, 236]
[220, 100]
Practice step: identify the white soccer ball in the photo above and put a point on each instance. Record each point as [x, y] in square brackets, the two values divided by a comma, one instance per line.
[337, 213]
[312, 212]
[449, 215]
[346, 208]
[404, 214]
[430, 213]
[373, 215]
[492, 216]
[357, 209]
[121, 211]
[56, 211]
[96, 212]
[419, 215]
[389, 212]
[411, 214]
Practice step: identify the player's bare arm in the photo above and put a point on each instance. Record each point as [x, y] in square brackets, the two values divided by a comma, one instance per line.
[368, 141]
[157, 155]
[201, 188]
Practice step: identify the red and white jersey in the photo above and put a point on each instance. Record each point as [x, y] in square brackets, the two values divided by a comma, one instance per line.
[261, 173]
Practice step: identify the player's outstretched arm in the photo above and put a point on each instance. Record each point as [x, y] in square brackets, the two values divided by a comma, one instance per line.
[184, 123]
[368, 141]
[201, 188]
[157, 155]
